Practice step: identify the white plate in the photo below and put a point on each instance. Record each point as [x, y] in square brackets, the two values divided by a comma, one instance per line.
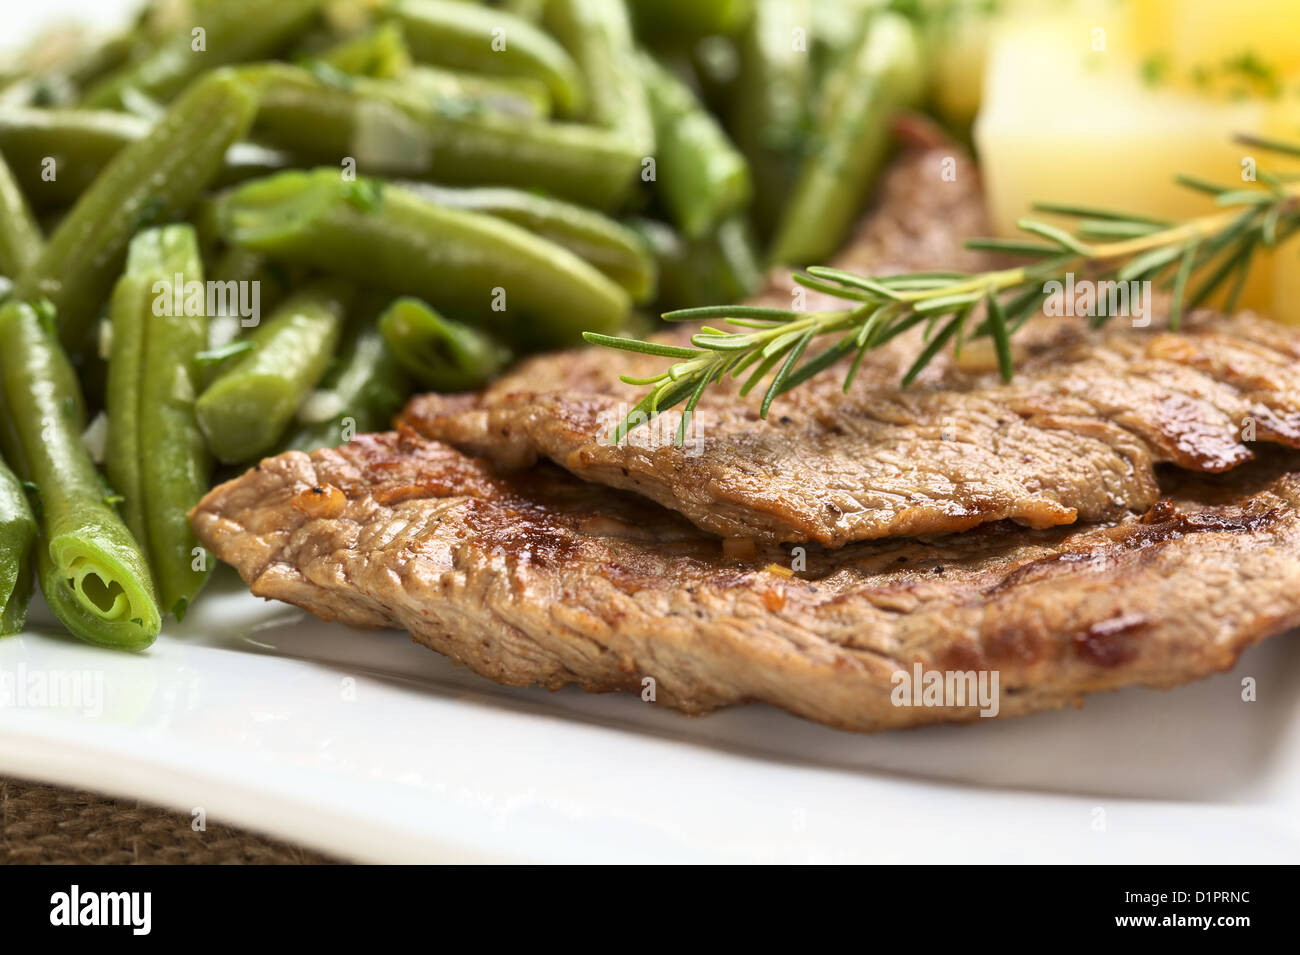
[368, 746]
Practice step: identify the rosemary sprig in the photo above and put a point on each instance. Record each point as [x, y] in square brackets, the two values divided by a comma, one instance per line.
[1108, 244]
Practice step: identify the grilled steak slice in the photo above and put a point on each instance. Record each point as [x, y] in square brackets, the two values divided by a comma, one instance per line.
[534, 578]
[1076, 436]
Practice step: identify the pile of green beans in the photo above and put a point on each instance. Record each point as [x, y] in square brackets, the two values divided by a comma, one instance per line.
[239, 227]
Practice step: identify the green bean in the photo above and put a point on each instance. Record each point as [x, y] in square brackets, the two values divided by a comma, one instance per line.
[392, 129]
[380, 52]
[721, 267]
[234, 31]
[882, 76]
[770, 110]
[599, 35]
[836, 30]
[268, 281]
[227, 263]
[361, 392]
[520, 287]
[250, 404]
[152, 179]
[17, 536]
[690, 18]
[614, 249]
[439, 354]
[92, 572]
[453, 92]
[20, 236]
[156, 458]
[82, 142]
[462, 37]
[700, 175]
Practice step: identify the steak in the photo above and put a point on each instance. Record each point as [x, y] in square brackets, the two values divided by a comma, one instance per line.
[535, 578]
[1076, 436]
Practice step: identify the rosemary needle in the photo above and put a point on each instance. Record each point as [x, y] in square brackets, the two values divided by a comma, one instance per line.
[773, 341]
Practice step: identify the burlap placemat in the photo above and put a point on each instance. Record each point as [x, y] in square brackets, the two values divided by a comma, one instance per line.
[48, 825]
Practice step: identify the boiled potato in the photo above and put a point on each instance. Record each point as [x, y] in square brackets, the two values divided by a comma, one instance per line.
[1242, 48]
[1069, 115]
[960, 32]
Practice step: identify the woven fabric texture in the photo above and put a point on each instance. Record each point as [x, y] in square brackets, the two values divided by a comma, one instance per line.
[47, 825]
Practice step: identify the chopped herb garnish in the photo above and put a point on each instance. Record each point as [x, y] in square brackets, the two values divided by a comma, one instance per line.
[1155, 69]
[366, 194]
[214, 356]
